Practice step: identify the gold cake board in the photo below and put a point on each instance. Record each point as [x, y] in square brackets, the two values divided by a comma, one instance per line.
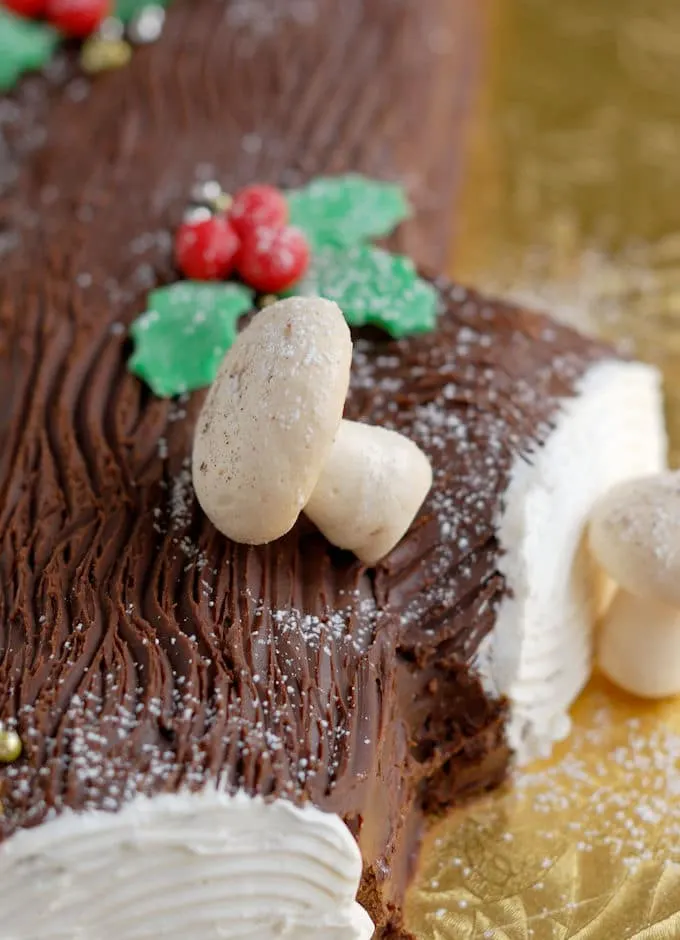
[572, 202]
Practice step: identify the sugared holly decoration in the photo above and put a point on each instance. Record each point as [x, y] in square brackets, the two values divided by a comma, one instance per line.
[271, 260]
[31, 30]
[314, 240]
[184, 334]
[256, 207]
[251, 236]
[28, 8]
[273, 255]
[206, 248]
[25, 44]
[77, 18]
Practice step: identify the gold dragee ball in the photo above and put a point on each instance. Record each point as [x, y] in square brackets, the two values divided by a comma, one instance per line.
[10, 747]
[99, 54]
[223, 202]
[208, 194]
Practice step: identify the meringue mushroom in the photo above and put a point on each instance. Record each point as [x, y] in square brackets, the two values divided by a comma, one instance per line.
[635, 537]
[270, 418]
[370, 489]
[639, 646]
[270, 440]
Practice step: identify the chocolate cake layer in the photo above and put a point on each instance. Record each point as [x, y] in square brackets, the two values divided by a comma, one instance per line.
[141, 652]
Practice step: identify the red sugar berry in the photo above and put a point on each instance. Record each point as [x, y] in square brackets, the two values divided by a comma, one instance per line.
[273, 259]
[206, 250]
[26, 8]
[257, 206]
[77, 18]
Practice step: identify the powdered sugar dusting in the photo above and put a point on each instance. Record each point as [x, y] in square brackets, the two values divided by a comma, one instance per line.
[584, 830]
[468, 410]
[618, 784]
[474, 413]
[182, 497]
[263, 18]
[353, 625]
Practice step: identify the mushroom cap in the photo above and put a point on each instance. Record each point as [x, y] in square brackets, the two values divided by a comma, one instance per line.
[635, 536]
[268, 423]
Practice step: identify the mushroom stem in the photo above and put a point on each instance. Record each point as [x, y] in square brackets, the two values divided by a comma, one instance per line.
[370, 489]
[639, 645]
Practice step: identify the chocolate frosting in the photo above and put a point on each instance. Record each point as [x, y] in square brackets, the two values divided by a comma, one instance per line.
[142, 652]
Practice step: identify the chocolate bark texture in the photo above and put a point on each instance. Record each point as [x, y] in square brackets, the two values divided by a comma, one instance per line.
[140, 651]
[143, 652]
[243, 91]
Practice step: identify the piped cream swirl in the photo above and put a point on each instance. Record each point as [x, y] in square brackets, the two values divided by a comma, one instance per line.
[208, 866]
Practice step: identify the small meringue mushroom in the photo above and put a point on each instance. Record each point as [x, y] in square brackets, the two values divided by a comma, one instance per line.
[270, 418]
[635, 537]
[270, 440]
[370, 489]
[639, 646]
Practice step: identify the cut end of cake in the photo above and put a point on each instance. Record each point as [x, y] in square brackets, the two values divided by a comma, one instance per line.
[184, 865]
[540, 652]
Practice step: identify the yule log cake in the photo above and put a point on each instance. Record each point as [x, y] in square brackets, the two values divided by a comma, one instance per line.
[208, 726]
[206, 738]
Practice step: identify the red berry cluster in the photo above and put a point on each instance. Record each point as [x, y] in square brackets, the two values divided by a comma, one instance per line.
[253, 239]
[77, 18]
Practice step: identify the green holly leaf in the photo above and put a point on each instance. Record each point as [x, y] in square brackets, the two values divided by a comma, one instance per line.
[346, 210]
[24, 46]
[182, 338]
[128, 9]
[372, 286]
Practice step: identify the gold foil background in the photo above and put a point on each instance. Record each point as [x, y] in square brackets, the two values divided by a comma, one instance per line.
[572, 202]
